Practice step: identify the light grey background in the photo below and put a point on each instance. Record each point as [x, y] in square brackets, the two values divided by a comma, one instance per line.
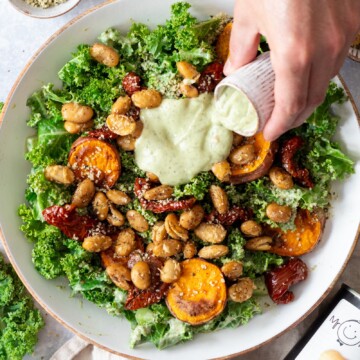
[20, 37]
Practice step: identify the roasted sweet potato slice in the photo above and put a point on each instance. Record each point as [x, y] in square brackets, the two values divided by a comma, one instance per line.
[309, 228]
[265, 152]
[200, 293]
[222, 47]
[95, 159]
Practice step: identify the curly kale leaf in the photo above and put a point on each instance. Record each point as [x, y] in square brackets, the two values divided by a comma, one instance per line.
[19, 321]
[153, 54]
[86, 276]
[197, 187]
[90, 82]
[256, 263]
[234, 315]
[49, 243]
[42, 193]
[322, 156]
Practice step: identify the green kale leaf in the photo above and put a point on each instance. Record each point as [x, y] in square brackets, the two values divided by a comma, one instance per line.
[20, 322]
[197, 187]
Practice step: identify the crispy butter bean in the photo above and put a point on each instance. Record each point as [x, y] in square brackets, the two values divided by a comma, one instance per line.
[167, 248]
[213, 251]
[189, 250]
[125, 242]
[232, 270]
[174, 229]
[278, 213]
[126, 143]
[281, 178]
[158, 232]
[59, 174]
[74, 128]
[84, 193]
[147, 99]
[137, 221]
[150, 248]
[251, 228]
[76, 113]
[261, 243]
[161, 192]
[152, 177]
[140, 275]
[119, 275]
[97, 243]
[242, 290]
[170, 272]
[121, 124]
[188, 90]
[118, 197]
[211, 233]
[243, 154]
[100, 205]
[219, 199]
[187, 70]
[190, 219]
[104, 55]
[121, 106]
[115, 218]
[222, 170]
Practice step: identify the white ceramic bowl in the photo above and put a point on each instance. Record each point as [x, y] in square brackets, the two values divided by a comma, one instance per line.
[41, 13]
[326, 262]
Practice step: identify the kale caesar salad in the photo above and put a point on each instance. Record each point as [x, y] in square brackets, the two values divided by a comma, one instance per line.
[152, 209]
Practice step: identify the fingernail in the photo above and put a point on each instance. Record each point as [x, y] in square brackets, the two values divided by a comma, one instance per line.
[228, 68]
[268, 136]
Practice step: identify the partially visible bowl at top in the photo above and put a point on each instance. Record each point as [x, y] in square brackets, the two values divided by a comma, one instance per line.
[44, 13]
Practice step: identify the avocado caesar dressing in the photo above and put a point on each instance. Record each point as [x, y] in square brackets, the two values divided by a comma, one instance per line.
[182, 138]
[237, 112]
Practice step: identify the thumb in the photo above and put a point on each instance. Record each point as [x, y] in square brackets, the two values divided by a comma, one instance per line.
[244, 42]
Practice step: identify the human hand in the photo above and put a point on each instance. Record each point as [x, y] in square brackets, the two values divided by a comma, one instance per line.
[309, 40]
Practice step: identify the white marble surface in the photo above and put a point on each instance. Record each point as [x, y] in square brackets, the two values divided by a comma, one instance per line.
[20, 37]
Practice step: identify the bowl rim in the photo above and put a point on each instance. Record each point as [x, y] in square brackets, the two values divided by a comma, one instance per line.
[24, 12]
[69, 327]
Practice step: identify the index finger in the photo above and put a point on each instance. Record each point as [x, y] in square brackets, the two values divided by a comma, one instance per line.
[291, 88]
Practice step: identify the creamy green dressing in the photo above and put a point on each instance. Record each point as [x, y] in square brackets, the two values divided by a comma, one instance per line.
[182, 138]
[237, 112]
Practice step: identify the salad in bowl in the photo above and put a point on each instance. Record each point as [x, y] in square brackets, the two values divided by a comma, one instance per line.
[176, 255]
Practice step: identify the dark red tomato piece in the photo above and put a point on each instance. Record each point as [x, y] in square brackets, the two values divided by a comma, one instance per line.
[279, 280]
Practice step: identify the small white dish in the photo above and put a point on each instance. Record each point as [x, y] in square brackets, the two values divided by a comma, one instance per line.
[41, 13]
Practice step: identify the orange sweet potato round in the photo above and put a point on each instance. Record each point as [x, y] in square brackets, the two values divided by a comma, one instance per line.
[265, 152]
[222, 47]
[200, 293]
[95, 159]
[308, 232]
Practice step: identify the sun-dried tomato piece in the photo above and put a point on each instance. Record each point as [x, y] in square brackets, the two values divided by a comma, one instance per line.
[279, 280]
[103, 134]
[131, 83]
[230, 217]
[142, 185]
[143, 298]
[288, 152]
[210, 77]
[73, 225]
[137, 298]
